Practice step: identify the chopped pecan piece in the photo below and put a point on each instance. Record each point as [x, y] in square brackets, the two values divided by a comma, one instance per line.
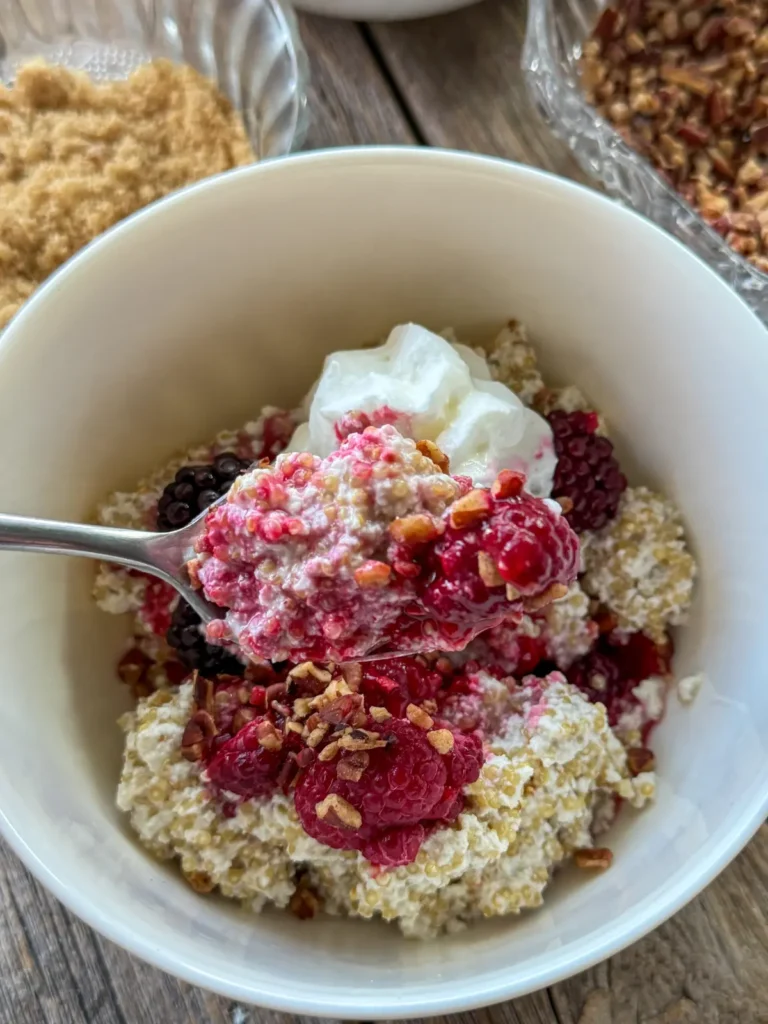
[593, 860]
[553, 593]
[471, 509]
[487, 570]
[373, 574]
[640, 759]
[337, 811]
[508, 484]
[441, 740]
[352, 766]
[361, 739]
[418, 716]
[416, 529]
[329, 752]
[268, 736]
[430, 449]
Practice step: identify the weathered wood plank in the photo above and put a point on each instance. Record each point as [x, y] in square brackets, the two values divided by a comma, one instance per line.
[459, 76]
[708, 964]
[350, 103]
[55, 970]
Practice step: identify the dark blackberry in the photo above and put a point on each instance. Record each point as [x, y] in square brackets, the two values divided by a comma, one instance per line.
[192, 648]
[587, 472]
[194, 488]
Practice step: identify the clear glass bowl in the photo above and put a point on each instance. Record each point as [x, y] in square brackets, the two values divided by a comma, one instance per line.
[556, 30]
[251, 48]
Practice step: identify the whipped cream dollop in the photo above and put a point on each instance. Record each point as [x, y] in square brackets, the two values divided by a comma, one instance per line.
[431, 390]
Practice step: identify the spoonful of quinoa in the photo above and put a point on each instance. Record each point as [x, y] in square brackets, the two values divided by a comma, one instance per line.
[374, 550]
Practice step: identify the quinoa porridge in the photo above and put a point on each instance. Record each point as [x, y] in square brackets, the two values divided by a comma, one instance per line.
[448, 783]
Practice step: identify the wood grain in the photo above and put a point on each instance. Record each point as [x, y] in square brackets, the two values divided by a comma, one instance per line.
[451, 81]
[460, 78]
[707, 965]
[350, 102]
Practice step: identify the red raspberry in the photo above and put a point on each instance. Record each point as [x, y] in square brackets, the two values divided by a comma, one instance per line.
[511, 648]
[587, 472]
[464, 766]
[531, 546]
[243, 766]
[394, 847]
[155, 611]
[276, 433]
[466, 760]
[405, 786]
[461, 704]
[356, 421]
[394, 683]
[614, 666]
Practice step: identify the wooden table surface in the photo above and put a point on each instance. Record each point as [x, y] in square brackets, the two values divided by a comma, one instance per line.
[451, 81]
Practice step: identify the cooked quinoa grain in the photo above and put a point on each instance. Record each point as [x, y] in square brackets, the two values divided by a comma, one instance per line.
[552, 765]
[639, 565]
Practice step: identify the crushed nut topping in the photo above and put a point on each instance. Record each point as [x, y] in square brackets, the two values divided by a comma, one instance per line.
[373, 574]
[488, 571]
[352, 766]
[442, 740]
[200, 881]
[329, 752]
[418, 716]
[466, 511]
[430, 449]
[687, 88]
[268, 736]
[640, 759]
[339, 811]
[553, 593]
[309, 668]
[361, 739]
[317, 735]
[419, 528]
[593, 860]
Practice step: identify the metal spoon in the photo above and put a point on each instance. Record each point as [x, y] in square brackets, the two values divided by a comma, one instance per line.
[163, 555]
[160, 554]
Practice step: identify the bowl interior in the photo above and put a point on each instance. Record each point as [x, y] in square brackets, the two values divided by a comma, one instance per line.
[191, 316]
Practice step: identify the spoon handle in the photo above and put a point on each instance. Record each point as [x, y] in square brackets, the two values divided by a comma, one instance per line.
[158, 554]
[127, 547]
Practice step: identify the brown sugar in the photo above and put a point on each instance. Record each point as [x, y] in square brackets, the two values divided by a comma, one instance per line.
[76, 157]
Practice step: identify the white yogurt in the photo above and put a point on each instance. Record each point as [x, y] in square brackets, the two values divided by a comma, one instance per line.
[442, 393]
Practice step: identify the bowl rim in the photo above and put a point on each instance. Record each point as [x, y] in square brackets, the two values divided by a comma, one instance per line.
[714, 855]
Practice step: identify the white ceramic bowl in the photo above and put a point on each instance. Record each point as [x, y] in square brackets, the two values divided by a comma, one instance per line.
[193, 314]
[381, 10]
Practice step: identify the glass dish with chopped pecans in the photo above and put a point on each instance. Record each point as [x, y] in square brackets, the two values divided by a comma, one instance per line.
[665, 104]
